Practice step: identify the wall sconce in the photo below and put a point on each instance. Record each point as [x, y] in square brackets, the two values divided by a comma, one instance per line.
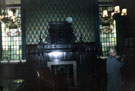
[117, 9]
[124, 12]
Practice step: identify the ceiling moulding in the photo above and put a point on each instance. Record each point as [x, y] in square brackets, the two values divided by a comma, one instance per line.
[9, 2]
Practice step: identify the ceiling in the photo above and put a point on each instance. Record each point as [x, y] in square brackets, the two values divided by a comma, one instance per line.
[19, 1]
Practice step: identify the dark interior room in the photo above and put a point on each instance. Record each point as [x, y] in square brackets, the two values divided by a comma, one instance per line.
[67, 45]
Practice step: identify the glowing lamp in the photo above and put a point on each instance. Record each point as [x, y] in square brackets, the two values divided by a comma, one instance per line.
[117, 9]
[105, 13]
[124, 12]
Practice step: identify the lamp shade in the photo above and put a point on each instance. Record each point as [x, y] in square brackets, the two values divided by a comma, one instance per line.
[117, 9]
[124, 12]
[105, 13]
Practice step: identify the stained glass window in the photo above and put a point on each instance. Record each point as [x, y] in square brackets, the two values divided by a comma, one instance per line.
[108, 36]
[12, 36]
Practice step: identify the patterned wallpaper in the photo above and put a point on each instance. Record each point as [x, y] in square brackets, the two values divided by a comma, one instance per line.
[39, 12]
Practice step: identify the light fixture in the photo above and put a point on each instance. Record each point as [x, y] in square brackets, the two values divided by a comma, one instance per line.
[6, 15]
[69, 19]
[108, 15]
[123, 12]
[117, 9]
[105, 13]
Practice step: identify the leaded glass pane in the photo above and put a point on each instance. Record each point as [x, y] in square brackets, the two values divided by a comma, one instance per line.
[12, 36]
[108, 36]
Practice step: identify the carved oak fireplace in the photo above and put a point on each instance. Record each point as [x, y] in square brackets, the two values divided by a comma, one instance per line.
[60, 52]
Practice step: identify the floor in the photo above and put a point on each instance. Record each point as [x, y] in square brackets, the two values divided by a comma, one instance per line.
[9, 83]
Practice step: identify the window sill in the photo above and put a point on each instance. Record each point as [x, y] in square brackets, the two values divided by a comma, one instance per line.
[12, 61]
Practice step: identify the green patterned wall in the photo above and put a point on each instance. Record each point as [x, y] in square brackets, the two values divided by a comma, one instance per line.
[39, 12]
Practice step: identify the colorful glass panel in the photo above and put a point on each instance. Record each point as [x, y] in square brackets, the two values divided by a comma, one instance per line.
[12, 36]
[108, 36]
